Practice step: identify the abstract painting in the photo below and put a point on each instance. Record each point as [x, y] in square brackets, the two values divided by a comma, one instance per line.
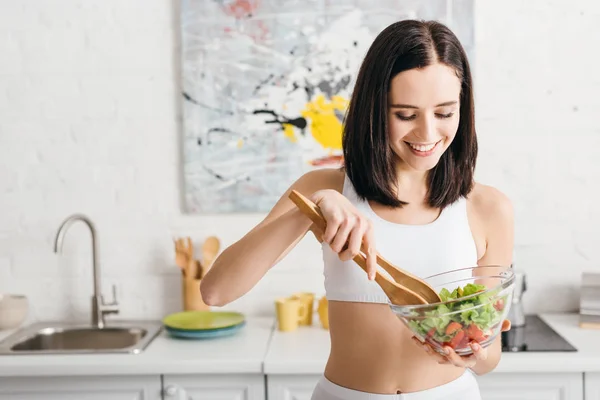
[265, 86]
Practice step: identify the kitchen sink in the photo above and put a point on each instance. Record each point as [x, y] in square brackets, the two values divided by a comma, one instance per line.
[81, 338]
[96, 336]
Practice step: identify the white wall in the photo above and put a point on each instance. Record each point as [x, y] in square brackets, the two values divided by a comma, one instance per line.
[89, 123]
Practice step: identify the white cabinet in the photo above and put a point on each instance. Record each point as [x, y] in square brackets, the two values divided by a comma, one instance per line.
[592, 386]
[291, 387]
[126, 387]
[531, 386]
[81, 387]
[494, 386]
[214, 387]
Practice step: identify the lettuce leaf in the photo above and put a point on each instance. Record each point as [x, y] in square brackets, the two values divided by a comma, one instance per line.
[476, 310]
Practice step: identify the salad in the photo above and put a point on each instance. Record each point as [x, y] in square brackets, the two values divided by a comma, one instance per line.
[459, 322]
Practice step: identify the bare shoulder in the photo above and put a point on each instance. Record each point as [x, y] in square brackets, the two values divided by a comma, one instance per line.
[307, 184]
[493, 224]
[490, 203]
[324, 178]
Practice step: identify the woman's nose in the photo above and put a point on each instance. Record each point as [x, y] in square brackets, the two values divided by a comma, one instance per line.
[427, 129]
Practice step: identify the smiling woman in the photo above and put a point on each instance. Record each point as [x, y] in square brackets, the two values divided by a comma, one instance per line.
[425, 109]
[407, 189]
[424, 131]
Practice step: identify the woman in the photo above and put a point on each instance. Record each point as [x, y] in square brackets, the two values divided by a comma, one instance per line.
[407, 190]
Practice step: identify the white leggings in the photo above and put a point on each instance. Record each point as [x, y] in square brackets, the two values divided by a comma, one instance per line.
[464, 387]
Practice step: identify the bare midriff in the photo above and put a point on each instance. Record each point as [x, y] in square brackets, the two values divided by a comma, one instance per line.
[372, 351]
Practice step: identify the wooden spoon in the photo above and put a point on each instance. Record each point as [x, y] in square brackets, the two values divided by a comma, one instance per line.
[192, 269]
[184, 256]
[405, 289]
[181, 256]
[210, 249]
[199, 270]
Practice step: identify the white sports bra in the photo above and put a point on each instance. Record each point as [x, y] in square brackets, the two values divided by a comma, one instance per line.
[424, 250]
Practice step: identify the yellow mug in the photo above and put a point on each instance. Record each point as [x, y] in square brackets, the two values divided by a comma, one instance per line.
[323, 311]
[290, 311]
[308, 299]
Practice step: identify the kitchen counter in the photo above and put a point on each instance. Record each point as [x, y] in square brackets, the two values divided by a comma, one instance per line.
[241, 353]
[260, 348]
[306, 350]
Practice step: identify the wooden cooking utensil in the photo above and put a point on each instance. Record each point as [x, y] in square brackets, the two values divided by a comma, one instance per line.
[192, 269]
[199, 270]
[210, 249]
[405, 289]
[181, 257]
[184, 256]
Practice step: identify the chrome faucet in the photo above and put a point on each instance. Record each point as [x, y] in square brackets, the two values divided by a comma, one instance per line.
[99, 307]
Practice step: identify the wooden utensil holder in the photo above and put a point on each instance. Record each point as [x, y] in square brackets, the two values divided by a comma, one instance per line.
[192, 298]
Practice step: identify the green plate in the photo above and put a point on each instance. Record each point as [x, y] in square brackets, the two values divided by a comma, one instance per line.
[203, 320]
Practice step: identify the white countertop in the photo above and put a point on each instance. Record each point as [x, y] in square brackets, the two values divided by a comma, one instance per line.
[241, 353]
[260, 348]
[305, 351]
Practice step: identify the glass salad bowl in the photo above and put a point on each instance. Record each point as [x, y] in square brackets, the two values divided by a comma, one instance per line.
[474, 303]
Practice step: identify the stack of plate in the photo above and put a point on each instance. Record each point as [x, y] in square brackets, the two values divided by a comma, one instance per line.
[589, 303]
[203, 324]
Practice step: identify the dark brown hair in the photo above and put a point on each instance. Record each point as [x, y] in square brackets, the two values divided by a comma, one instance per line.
[368, 158]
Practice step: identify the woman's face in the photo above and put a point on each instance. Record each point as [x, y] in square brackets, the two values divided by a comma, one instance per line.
[423, 115]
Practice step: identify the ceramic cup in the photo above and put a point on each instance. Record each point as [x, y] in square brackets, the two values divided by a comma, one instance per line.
[308, 299]
[323, 311]
[14, 309]
[290, 311]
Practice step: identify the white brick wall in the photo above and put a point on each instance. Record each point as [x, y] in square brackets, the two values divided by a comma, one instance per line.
[88, 123]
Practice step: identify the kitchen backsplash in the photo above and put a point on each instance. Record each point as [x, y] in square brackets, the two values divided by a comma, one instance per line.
[89, 107]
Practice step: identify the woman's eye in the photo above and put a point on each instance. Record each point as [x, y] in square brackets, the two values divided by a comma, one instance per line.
[444, 115]
[405, 117]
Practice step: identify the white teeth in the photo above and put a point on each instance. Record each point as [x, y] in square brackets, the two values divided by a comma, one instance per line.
[421, 147]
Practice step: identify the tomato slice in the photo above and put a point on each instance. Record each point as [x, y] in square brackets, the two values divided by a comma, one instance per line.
[474, 333]
[453, 327]
[457, 340]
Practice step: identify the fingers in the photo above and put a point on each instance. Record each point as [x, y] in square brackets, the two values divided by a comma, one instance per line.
[429, 350]
[451, 357]
[333, 224]
[457, 360]
[355, 241]
[479, 354]
[345, 234]
[345, 227]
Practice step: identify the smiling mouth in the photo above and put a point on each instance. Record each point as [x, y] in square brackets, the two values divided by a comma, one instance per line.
[423, 148]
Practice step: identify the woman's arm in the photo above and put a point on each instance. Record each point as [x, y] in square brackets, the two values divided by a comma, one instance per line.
[496, 210]
[494, 220]
[240, 266]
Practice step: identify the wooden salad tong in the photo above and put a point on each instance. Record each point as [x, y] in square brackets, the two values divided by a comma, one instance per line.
[405, 289]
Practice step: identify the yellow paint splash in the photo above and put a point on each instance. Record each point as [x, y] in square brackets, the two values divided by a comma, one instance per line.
[325, 126]
[288, 131]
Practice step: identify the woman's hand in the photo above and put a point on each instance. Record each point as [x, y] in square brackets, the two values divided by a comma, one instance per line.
[346, 228]
[479, 353]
